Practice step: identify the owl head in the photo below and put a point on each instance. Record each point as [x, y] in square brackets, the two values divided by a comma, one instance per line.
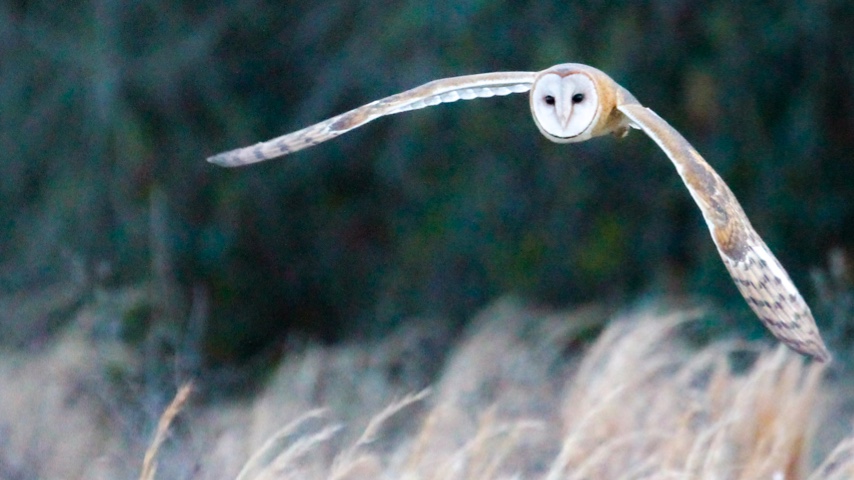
[572, 102]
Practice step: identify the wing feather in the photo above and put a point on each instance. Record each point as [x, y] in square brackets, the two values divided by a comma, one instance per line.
[445, 90]
[757, 273]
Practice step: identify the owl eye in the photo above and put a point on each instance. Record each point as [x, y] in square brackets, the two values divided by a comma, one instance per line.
[578, 98]
[550, 100]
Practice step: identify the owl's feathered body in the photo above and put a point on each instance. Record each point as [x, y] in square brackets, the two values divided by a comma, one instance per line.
[572, 103]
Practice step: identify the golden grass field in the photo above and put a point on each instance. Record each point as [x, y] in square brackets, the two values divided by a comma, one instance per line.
[522, 394]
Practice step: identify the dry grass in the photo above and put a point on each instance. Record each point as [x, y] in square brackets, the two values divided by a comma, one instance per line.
[149, 462]
[519, 396]
[636, 406]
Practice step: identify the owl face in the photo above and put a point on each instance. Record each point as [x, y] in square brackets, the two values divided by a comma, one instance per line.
[565, 105]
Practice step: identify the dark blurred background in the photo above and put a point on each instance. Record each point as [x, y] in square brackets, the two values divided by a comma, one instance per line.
[109, 110]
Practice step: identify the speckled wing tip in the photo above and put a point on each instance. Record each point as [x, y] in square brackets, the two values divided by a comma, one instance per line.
[814, 349]
[257, 153]
[227, 159]
[820, 353]
[771, 294]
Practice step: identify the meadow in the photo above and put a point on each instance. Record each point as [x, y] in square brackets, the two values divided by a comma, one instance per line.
[524, 392]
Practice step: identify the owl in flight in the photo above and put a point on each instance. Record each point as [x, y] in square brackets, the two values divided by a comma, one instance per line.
[571, 103]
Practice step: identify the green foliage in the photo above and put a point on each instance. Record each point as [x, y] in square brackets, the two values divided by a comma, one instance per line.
[435, 211]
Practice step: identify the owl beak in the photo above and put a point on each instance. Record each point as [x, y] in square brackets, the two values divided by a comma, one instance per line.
[565, 112]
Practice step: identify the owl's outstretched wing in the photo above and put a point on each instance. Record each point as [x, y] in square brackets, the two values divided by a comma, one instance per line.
[758, 275]
[438, 91]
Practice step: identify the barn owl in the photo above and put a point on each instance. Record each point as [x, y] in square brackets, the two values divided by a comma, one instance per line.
[572, 103]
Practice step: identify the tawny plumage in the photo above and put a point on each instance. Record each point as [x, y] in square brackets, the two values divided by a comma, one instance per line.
[572, 103]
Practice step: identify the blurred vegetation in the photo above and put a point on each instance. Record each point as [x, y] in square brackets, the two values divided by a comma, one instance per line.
[109, 110]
